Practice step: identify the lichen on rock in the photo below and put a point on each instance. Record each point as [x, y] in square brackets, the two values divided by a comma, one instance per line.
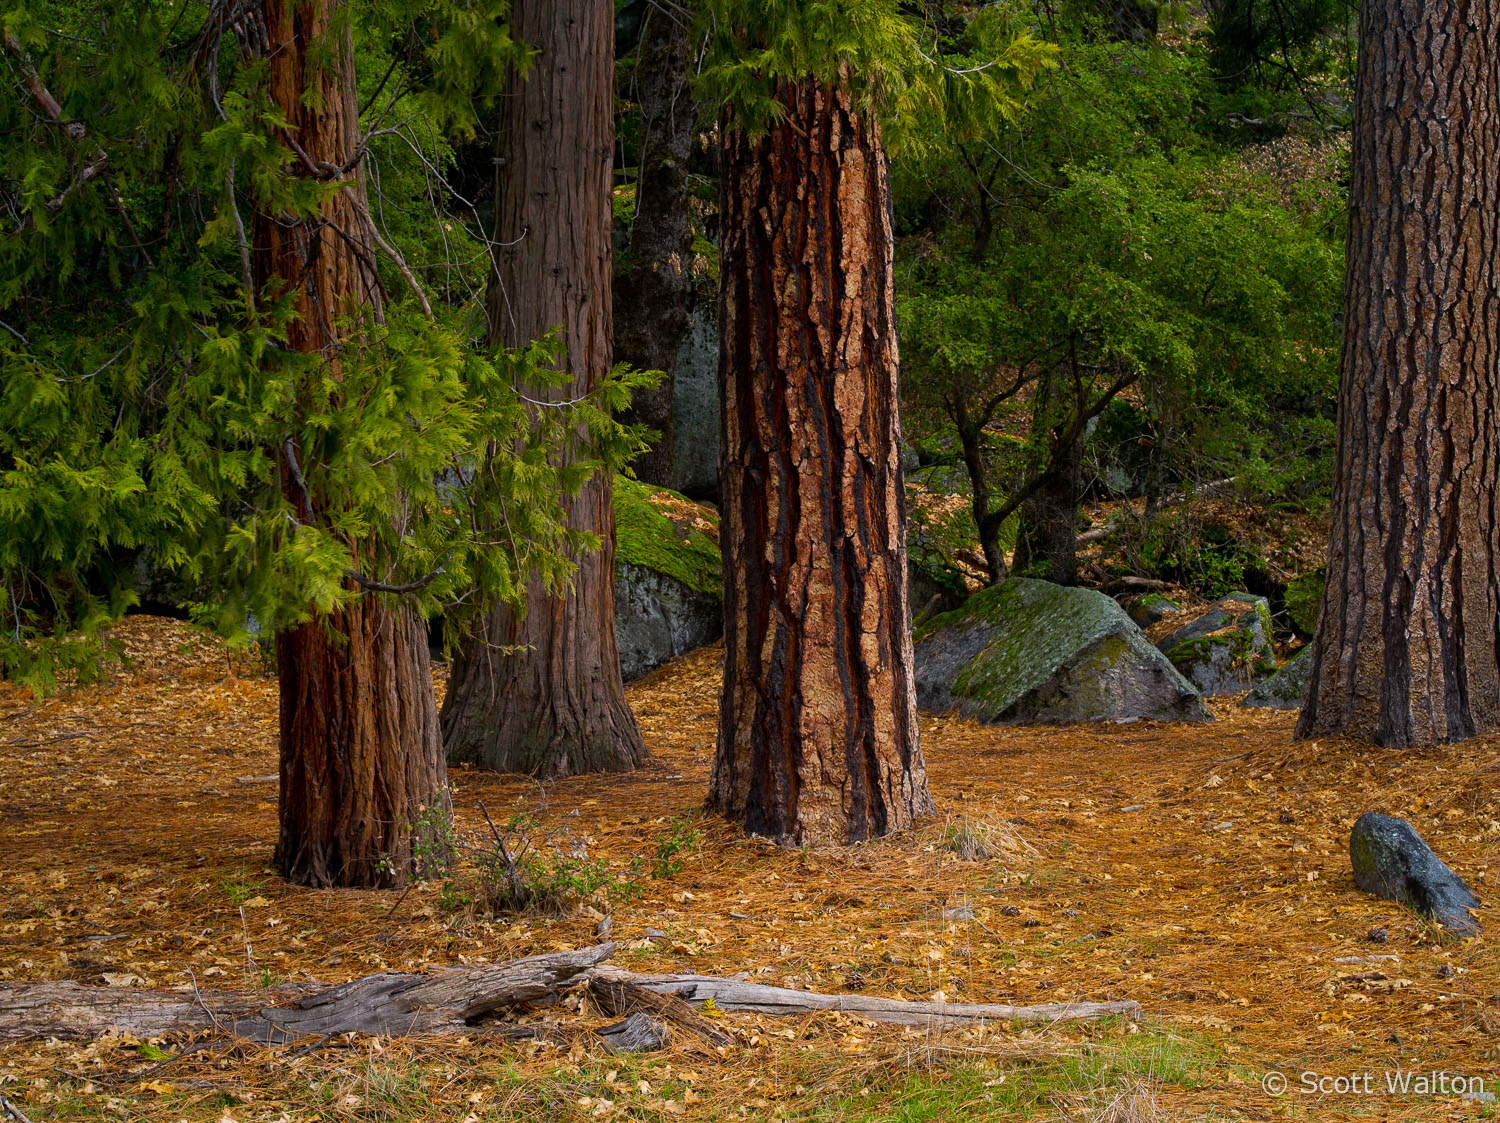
[1225, 648]
[668, 576]
[1031, 651]
[1284, 689]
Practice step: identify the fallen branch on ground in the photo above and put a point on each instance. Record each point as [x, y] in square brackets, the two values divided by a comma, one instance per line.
[734, 994]
[392, 1004]
[388, 1004]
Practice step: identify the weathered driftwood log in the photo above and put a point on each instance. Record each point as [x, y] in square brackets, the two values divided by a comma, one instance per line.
[392, 1005]
[389, 1004]
[733, 994]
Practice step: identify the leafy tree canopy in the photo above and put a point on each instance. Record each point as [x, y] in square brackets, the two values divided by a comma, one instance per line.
[922, 88]
[146, 389]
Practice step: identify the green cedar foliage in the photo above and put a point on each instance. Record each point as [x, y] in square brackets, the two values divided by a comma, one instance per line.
[145, 392]
[1104, 237]
[875, 49]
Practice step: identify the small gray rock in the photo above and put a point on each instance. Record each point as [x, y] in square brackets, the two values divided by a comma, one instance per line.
[954, 912]
[1391, 860]
[1150, 608]
[638, 1033]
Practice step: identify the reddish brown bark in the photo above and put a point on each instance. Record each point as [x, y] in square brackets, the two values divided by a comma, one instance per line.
[541, 692]
[361, 760]
[1407, 647]
[818, 737]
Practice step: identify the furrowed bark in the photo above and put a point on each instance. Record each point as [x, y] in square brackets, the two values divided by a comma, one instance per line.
[818, 737]
[361, 760]
[540, 692]
[1407, 647]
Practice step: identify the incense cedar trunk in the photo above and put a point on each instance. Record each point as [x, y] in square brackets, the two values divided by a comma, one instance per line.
[539, 691]
[818, 737]
[1406, 649]
[361, 761]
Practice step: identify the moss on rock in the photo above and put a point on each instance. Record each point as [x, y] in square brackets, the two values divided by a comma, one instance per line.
[663, 531]
[1284, 689]
[1029, 650]
[1225, 648]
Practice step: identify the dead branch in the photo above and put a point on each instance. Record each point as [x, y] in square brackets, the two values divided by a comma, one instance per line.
[388, 1004]
[733, 994]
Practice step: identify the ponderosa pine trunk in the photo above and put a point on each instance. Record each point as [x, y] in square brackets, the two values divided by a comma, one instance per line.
[818, 738]
[653, 300]
[361, 759]
[539, 692]
[1407, 646]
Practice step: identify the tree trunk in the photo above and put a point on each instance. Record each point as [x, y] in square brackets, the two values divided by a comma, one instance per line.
[1406, 649]
[1047, 537]
[652, 304]
[971, 441]
[361, 761]
[540, 692]
[818, 737]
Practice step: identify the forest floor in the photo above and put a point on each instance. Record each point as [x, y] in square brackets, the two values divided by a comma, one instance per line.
[1199, 869]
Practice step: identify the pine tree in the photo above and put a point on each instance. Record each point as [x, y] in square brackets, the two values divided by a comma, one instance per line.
[818, 737]
[1405, 650]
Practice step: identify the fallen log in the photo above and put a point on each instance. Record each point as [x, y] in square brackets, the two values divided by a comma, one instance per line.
[735, 994]
[623, 997]
[389, 1004]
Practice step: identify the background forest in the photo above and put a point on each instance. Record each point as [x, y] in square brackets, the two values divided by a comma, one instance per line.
[385, 386]
[1121, 283]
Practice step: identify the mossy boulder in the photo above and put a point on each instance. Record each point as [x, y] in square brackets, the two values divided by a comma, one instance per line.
[668, 576]
[1284, 689]
[1150, 608]
[1031, 651]
[1225, 648]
